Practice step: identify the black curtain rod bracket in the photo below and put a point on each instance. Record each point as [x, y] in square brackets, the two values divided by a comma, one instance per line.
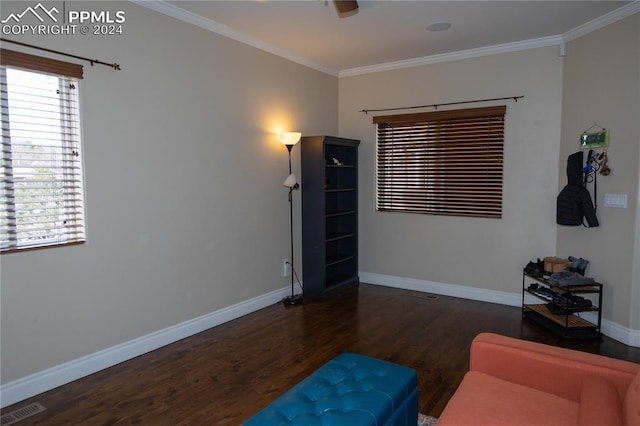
[91, 61]
[435, 106]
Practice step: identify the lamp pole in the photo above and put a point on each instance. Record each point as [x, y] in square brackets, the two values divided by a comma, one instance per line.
[294, 299]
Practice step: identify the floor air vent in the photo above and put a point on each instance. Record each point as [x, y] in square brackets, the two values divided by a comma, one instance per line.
[427, 296]
[21, 413]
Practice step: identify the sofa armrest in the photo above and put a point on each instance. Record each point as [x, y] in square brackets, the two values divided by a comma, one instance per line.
[551, 369]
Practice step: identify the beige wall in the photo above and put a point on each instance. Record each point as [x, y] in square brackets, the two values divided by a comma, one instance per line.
[186, 211]
[475, 252]
[602, 84]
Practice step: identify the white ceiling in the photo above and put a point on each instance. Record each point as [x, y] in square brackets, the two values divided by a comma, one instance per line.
[392, 33]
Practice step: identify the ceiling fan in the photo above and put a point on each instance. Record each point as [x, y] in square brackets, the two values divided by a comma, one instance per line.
[345, 7]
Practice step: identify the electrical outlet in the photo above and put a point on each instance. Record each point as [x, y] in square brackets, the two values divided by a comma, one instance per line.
[286, 268]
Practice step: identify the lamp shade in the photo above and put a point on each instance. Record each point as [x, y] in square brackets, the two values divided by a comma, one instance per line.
[291, 181]
[289, 138]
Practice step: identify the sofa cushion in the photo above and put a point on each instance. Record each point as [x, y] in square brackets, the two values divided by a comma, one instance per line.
[485, 400]
[631, 404]
[599, 403]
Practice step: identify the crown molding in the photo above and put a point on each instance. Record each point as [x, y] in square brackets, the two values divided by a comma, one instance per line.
[602, 21]
[558, 40]
[455, 56]
[216, 27]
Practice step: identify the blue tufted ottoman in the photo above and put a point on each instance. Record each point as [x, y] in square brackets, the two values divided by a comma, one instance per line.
[349, 390]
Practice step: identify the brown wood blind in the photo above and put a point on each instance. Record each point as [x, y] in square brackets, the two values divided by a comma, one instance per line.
[38, 63]
[441, 162]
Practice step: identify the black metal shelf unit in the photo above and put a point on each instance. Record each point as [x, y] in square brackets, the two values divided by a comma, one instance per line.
[563, 307]
[329, 214]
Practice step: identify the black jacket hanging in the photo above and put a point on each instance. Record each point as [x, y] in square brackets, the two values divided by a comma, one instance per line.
[574, 201]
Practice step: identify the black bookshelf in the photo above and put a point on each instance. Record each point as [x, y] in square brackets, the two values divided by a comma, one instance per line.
[329, 214]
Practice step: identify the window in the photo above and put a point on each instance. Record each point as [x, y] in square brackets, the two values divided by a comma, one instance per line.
[41, 196]
[441, 162]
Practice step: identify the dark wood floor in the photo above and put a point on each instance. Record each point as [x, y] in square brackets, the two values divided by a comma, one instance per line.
[226, 374]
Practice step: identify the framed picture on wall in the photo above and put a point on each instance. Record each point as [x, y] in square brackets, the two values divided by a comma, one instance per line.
[597, 139]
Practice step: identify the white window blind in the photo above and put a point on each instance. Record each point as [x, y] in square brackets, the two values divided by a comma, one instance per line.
[441, 162]
[41, 199]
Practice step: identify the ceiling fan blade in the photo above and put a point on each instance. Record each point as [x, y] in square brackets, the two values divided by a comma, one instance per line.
[345, 6]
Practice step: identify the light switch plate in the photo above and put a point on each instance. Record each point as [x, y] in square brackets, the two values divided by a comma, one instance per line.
[615, 200]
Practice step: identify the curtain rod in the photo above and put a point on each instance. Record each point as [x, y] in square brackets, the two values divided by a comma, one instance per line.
[435, 106]
[92, 61]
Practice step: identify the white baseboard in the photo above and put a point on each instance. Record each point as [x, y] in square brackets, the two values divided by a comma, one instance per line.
[608, 328]
[48, 379]
[59, 375]
[620, 333]
[454, 290]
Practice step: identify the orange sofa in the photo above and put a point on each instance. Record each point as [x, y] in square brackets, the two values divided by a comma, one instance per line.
[515, 382]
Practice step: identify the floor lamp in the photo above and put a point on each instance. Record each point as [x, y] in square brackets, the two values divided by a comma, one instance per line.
[289, 139]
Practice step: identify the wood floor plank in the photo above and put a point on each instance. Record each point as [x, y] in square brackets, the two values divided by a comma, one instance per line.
[224, 375]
